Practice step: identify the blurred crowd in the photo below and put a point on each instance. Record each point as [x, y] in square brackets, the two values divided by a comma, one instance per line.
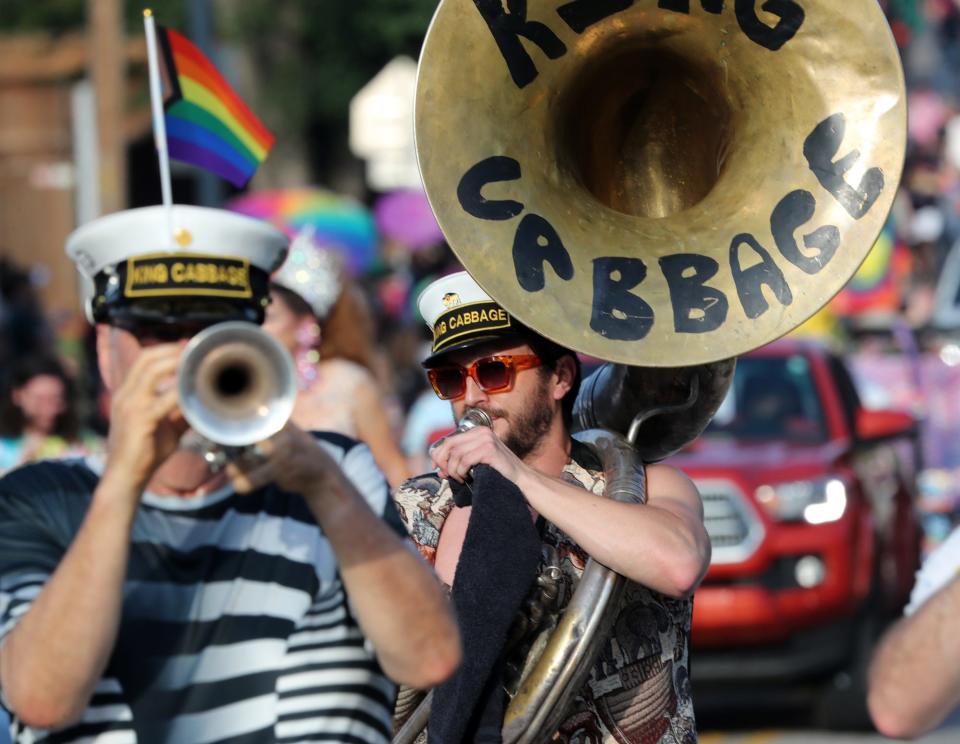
[374, 322]
[53, 403]
[925, 221]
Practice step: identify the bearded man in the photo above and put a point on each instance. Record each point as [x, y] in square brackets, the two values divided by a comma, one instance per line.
[510, 517]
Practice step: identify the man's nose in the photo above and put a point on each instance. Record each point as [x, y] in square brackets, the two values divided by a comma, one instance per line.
[474, 393]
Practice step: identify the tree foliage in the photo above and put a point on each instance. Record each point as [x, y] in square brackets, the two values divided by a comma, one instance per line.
[60, 16]
[312, 56]
[309, 57]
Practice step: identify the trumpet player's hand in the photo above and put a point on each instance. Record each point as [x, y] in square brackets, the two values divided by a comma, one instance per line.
[291, 458]
[145, 419]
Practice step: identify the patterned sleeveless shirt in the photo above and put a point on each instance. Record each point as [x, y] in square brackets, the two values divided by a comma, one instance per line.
[639, 689]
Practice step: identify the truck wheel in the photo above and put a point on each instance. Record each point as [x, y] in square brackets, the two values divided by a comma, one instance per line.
[842, 703]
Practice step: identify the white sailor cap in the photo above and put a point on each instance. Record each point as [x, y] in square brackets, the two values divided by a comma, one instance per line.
[170, 265]
[461, 314]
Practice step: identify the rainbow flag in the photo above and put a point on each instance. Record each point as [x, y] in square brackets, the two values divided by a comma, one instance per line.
[207, 123]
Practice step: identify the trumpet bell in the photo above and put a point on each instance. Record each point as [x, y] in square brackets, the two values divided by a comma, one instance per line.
[236, 384]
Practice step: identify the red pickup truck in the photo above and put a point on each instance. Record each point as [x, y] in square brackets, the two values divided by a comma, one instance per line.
[809, 501]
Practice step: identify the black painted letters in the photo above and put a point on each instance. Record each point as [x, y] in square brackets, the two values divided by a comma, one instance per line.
[535, 243]
[793, 210]
[819, 149]
[791, 18]
[697, 308]
[618, 314]
[489, 170]
[749, 282]
[683, 6]
[507, 27]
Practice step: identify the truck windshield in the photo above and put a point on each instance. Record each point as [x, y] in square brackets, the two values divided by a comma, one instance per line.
[771, 398]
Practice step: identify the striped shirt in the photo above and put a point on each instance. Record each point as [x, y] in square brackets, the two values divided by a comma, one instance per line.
[235, 625]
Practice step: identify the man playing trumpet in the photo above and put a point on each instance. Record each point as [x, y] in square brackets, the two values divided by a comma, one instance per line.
[149, 598]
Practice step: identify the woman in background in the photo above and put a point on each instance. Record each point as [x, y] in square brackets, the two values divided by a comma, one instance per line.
[38, 418]
[324, 322]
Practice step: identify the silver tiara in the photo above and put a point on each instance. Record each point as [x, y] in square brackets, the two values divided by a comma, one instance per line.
[312, 272]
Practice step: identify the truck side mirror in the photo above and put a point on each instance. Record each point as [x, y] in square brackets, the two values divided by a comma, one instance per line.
[879, 424]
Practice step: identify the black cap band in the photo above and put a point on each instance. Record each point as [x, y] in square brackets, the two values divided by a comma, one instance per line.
[460, 324]
[179, 282]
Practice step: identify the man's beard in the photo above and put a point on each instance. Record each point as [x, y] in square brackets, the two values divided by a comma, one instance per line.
[530, 425]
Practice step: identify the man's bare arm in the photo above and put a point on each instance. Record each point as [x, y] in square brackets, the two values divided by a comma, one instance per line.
[399, 601]
[914, 678]
[661, 544]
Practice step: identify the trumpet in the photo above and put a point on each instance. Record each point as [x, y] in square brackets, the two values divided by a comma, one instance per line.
[236, 385]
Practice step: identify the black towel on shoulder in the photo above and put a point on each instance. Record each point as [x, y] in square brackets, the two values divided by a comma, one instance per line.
[498, 564]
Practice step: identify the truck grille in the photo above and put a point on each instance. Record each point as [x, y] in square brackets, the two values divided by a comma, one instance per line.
[734, 529]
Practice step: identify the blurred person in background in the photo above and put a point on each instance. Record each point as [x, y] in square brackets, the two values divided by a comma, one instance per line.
[914, 678]
[23, 327]
[38, 416]
[428, 420]
[323, 321]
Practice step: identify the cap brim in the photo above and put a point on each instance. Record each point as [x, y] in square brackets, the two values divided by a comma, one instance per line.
[440, 356]
[200, 311]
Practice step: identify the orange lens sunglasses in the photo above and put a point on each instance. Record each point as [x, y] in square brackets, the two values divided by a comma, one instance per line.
[494, 374]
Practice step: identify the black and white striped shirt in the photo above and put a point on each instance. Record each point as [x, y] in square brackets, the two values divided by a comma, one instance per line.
[235, 627]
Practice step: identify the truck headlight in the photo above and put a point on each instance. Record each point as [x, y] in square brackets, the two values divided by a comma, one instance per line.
[815, 501]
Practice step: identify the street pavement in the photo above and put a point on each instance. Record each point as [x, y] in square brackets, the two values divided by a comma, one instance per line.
[718, 732]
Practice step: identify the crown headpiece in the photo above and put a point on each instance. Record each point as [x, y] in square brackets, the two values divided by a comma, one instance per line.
[312, 272]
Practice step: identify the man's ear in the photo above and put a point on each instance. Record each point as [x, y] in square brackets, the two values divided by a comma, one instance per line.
[105, 355]
[566, 372]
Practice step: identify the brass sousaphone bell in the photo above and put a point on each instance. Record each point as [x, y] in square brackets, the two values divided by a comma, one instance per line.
[660, 184]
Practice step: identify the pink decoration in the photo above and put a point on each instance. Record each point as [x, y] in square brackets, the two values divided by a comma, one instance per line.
[926, 114]
[405, 216]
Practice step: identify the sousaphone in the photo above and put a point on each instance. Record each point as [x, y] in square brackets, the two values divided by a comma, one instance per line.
[660, 184]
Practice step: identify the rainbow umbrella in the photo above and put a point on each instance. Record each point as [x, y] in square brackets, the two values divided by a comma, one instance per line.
[339, 223]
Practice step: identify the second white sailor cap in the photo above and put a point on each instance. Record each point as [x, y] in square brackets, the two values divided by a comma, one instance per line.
[461, 314]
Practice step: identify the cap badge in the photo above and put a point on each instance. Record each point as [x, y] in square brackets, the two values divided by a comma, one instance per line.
[450, 299]
[182, 236]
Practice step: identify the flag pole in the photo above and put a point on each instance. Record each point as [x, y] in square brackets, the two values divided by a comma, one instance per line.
[159, 124]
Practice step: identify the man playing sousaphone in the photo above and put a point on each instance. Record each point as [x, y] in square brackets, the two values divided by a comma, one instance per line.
[510, 518]
[658, 184]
